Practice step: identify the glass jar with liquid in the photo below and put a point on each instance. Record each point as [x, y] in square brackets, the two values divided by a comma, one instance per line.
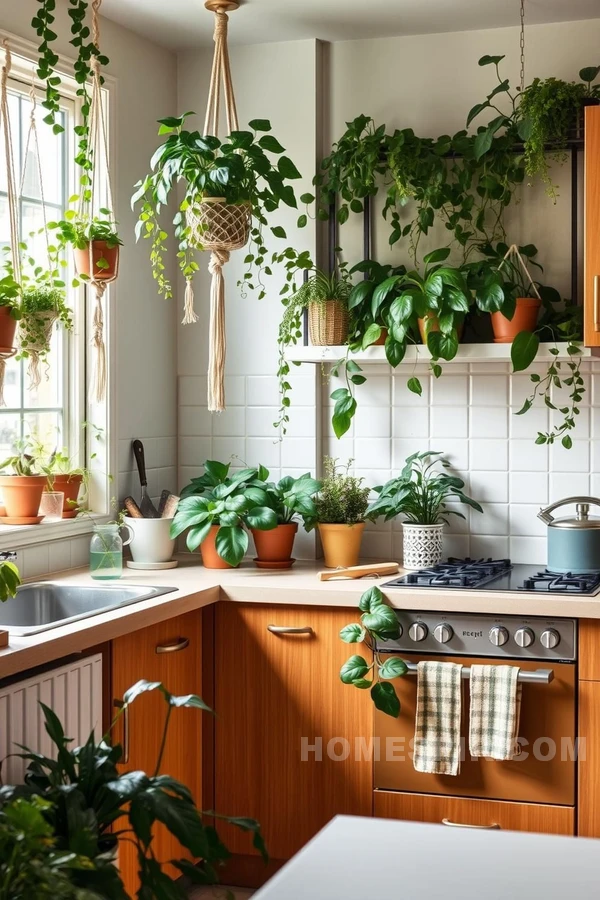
[106, 551]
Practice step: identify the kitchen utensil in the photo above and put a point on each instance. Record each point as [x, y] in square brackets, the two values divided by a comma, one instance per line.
[147, 507]
[573, 542]
[161, 503]
[151, 541]
[132, 508]
[374, 569]
[171, 564]
[170, 507]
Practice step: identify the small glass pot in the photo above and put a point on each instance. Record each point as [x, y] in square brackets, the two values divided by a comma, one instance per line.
[106, 551]
[51, 506]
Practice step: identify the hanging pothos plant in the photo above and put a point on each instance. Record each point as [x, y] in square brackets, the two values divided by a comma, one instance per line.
[247, 167]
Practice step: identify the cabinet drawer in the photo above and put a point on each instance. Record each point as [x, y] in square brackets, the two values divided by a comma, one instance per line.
[478, 813]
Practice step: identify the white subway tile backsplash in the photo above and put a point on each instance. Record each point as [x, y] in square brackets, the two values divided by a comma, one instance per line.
[410, 421]
[299, 454]
[36, 561]
[489, 390]
[529, 487]
[449, 422]
[373, 422]
[235, 390]
[528, 550]
[262, 390]
[450, 390]
[493, 520]
[194, 450]
[372, 453]
[229, 423]
[488, 454]
[529, 424]
[488, 546]
[577, 459]
[265, 451]
[195, 421]
[488, 422]
[192, 390]
[524, 520]
[456, 451]
[304, 388]
[404, 397]
[582, 429]
[488, 487]
[526, 456]
[570, 484]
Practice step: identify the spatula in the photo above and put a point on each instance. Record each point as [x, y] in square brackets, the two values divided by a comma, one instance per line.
[147, 507]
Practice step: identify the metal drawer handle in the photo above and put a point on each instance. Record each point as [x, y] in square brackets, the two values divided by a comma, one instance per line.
[180, 644]
[289, 629]
[493, 826]
[120, 705]
[596, 302]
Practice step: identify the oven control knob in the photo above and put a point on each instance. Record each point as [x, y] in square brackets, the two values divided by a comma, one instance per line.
[417, 631]
[443, 633]
[550, 639]
[498, 635]
[524, 637]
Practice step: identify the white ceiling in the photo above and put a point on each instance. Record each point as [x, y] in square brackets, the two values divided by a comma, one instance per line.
[181, 24]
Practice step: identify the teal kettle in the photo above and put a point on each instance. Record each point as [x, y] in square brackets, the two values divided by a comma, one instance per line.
[573, 542]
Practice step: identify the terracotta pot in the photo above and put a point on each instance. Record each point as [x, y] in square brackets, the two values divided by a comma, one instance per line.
[8, 326]
[275, 546]
[22, 494]
[524, 319]
[69, 485]
[381, 339]
[435, 326]
[210, 557]
[100, 250]
[341, 544]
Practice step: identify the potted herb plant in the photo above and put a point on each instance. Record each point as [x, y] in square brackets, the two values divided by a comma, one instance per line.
[341, 513]
[215, 508]
[421, 493]
[95, 242]
[22, 490]
[290, 499]
[83, 791]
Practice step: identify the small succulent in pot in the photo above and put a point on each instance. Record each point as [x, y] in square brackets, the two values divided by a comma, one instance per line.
[291, 499]
[216, 508]
[421, 494]
[341, 513]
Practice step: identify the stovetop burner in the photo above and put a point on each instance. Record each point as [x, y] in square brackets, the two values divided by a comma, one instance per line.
[496, 575]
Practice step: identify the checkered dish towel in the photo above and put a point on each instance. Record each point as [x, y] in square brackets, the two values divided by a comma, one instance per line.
[495, 711]
[437, 721]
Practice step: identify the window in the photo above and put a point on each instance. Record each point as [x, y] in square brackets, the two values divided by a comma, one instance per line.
[48, 411]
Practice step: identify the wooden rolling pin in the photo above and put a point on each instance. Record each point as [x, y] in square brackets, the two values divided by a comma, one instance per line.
[374, 569]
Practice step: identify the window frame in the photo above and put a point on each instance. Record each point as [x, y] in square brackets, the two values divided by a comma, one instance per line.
[99, 456]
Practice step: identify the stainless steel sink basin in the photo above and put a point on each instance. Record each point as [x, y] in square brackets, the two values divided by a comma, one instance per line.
[44, 605]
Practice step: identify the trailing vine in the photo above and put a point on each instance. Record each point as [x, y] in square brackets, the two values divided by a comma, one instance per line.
[47, 61]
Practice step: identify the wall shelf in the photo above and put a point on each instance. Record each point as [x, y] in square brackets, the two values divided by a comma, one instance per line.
[467, 353]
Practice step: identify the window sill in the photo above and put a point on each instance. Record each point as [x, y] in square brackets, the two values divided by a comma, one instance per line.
[15, 537]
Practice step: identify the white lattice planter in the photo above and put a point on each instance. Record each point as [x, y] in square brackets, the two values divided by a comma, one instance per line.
[422, 545]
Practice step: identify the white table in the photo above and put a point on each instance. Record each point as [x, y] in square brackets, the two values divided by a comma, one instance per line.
[366, 859]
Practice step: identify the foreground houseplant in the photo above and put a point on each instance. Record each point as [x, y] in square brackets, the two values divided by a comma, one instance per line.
[22, 490]
[290, 499]
[215, 508]
[341, 512]
[421, 493]
[86, 794]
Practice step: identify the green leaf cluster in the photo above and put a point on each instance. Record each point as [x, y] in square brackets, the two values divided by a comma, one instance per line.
[291, 498]
[378, 622]
[342, 499]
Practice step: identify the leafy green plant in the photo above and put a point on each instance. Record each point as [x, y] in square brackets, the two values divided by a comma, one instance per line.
[10, 289]
[10, 579]
[87, 795]
[79, 229]
[30, 865]
[247, 167]
[229, 501]
[27, 459]
[41, 306]
[378, 622]
[291, 498]
[342, 499]
[421, 492]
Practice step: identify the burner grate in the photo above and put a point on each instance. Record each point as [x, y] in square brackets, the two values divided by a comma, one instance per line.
[561, 582]
[455, 572]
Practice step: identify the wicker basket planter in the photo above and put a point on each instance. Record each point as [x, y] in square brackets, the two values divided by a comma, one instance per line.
[215, 224]
[327, 323]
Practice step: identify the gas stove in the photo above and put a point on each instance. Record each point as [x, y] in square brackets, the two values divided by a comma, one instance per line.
[496, 575]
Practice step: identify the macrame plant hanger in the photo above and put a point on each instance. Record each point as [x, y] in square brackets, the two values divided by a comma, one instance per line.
[97, 152]
[214, 224]
[13, 211]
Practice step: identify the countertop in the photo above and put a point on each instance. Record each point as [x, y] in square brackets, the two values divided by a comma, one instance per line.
[197, 587]
[356, 858]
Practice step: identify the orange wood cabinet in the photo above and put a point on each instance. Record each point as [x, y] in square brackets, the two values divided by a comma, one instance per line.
[272, 692]
[589, 762]
[461, 812]
[592, 228]
[142, 655]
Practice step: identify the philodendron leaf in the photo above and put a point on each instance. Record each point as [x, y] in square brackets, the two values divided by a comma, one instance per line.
[393, 667]
[353, 669]
[363, 683]
[385, 698]
[352, 634]
[372, 597]
[382, 619]
[140, 687]
[231, 544]
[524, 350]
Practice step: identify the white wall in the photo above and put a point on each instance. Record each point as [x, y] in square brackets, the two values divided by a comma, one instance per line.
[428, 83]
[145, 375]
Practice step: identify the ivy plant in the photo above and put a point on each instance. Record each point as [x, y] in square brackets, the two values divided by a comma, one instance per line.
[378, 622]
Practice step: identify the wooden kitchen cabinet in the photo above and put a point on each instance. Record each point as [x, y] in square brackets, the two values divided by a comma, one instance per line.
[168, 652]
[592, 228]
[271, 692]
[589, 762]
[462, 812]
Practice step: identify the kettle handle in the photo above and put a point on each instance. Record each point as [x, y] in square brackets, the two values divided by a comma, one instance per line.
[544, 514]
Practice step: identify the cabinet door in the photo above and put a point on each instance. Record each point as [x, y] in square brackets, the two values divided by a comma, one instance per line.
[459, 812]
[274, 694]
[589, 765]
[592, 228]
[168, 652]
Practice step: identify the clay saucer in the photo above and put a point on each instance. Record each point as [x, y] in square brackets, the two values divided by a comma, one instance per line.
[280, 564]
[20, 520]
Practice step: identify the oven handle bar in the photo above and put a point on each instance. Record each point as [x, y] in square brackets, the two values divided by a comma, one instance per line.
[539, 676]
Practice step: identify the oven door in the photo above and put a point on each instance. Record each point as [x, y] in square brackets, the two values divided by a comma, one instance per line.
[545, 773]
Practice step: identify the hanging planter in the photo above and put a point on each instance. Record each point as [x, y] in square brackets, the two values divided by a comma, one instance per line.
[232, 186]
[42, 306]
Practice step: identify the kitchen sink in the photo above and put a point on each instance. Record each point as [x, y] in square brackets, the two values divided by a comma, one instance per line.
[44, 605]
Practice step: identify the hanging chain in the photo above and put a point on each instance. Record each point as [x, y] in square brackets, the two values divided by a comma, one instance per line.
[522, 45]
